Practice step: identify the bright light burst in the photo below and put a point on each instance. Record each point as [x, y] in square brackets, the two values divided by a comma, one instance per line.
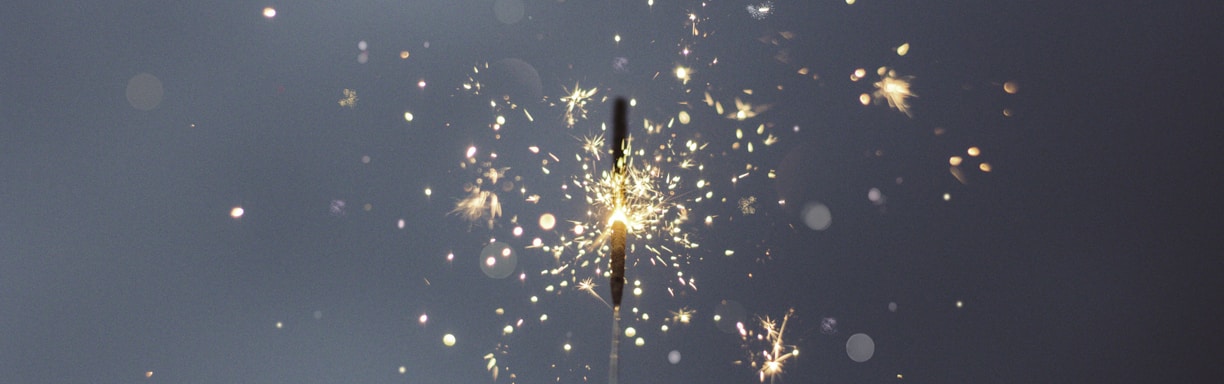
[895, 90]
[575, 103]
[769, 361]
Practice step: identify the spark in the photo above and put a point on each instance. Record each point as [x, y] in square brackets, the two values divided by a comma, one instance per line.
[761, 11]
[588, 285]
[895, 90]
[682, 315]
[771, 361]
[747, 205]
[575, 103]
[350, 98]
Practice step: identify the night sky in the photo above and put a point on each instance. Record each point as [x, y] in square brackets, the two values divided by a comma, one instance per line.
[1046, 211]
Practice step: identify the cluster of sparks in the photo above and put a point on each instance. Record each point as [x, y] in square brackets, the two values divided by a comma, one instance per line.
[667, 196]
[770, 360]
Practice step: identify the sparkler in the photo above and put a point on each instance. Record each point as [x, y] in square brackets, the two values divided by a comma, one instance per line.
[620, 124]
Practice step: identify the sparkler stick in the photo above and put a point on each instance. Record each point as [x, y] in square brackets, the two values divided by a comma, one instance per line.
[620, 131]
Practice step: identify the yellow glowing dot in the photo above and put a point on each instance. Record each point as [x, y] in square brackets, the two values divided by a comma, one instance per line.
[428, 192]
[578, 229]
[795, 352]
[684, 117]
[960, 304]
[424, 318]
[269, 12]
[985, 167]
[403, 369]
[501, 120]
[237, 212]
[682, 73]
[448, 340]
[630, 332]
[1007, 112]
[850, 2]
[947, 196]
[663, 328]
[899, 376]
[858, 74]
[616, 37]
[535, 299]
[280, 325]
[974, 151]
[717, 318]
[407, 116]
[865, 99]
[149, 374]
[954, 161]
[547, 221]
[637, 291]
[729, 252]
[1011, 87]
[508, 329]
[567, 347]
[903, 49]
[645, 316]
[639, 342]
[632, 102]
[543, 317]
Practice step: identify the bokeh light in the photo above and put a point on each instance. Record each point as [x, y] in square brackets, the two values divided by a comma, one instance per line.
[860, 347]
[144, 92]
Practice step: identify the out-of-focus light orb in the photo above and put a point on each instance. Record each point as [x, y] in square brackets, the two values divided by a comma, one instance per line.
[148, 374]
[817, 216]
[280, 325]
[365, 159]
[363, 57]
[498, 260]
[974, 151]
[318, 314]
[903, 49]
[637, 291]
[448, 340]
[947, 196]
[400, 224]
[543, 317]
[144, 92]
[403, 369]
[509, 11]
[421, 84]
[1007, 112]
[428, 192]
[1011, 87]
[518, 231]
[237, 212]
[639, 342]
[955, 161]
[874, 195]
[508, 329]
[985, 167]
[858, 74]
[860, 347]
[960, 304]
[408, 116]
[673, 357]
[616, 38]
[850, 2]
[567, 347]
[663, 328]
[547, 221]
[362, 45]
[892, 307]
[684, 117]
[682, 73]
[865, 99]
[423, 319]
[579, 229]
[269, 12]
[630, 332]
[404, 55]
